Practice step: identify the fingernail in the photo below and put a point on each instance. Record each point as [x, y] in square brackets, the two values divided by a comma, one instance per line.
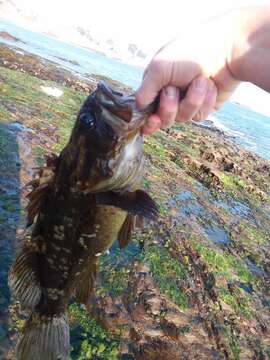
[200, 84]
[171, 92]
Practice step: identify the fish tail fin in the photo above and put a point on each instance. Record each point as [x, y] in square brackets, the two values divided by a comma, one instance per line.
[23, 279]
[86, 283]
[44, 338]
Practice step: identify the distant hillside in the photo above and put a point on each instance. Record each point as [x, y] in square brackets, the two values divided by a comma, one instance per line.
[85, 36]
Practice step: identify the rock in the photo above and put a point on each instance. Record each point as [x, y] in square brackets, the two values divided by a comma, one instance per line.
[44, 69]
[174, 325]
[3, 332]
[3, 301]
[5, 35]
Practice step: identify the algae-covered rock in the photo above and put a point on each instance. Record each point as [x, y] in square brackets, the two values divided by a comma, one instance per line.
[194, 285]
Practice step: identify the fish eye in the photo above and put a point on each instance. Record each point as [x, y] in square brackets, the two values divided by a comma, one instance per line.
[88, 120]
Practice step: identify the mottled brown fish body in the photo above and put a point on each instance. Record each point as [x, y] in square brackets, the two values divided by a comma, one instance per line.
[81, 202]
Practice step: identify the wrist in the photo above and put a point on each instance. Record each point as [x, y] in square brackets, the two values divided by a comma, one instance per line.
[249, 55]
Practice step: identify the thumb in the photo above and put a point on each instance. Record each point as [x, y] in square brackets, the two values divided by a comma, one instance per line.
[148, 90]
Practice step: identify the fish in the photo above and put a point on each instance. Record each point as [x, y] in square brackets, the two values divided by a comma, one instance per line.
[80, 203]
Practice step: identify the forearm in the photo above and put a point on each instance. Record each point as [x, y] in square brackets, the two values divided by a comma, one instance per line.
[250, 56]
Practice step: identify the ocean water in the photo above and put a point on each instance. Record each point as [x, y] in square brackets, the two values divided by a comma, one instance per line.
[247, 127]
[90, 62]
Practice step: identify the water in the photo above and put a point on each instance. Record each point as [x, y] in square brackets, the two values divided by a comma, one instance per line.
[248, 127]
[89, 62]
[217, 234]
[190, 207]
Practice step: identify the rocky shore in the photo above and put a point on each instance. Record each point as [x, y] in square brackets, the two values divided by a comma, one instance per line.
[196, 284]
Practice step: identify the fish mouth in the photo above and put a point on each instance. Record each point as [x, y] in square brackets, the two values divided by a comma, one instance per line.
[120, 110]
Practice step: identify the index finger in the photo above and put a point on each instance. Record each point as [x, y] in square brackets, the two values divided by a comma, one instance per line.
[150, 87]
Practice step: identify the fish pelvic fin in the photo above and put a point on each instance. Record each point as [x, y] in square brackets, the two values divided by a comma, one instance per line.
[125, 232]
[44, 338]
[86, 284]
[23, 279]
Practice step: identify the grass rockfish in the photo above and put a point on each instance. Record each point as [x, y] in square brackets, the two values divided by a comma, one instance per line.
[82, 201]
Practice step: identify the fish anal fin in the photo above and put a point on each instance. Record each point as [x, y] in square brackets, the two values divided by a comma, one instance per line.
[44, 338]
[125, 232]
[136, 203]
[23, 279]
[86, 282]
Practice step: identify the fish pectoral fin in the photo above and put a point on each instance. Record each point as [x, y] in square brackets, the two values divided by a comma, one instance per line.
[125, 232]
[136, 203]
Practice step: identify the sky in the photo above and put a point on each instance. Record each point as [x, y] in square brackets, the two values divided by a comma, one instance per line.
[149, 23]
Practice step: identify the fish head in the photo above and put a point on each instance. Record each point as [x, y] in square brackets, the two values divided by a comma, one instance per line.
[108, 136]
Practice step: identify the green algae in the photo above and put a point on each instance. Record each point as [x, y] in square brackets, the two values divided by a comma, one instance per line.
[233, 343]
[22, 93]
[233, 182]
[4, 115]
[8, 147]
[240, 303]
[225, 264]
[89, 340]
[166, 271]
[254, 234]
[154, 147]
[39, 152]
[114, 278]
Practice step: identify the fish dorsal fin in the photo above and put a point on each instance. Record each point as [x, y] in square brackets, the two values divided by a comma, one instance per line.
[41, 186]
[36, 197]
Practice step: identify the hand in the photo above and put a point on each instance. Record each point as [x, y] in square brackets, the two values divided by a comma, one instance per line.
[207, 63]
[197, 64]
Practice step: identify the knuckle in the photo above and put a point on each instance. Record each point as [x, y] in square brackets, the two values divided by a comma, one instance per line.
[155, 66]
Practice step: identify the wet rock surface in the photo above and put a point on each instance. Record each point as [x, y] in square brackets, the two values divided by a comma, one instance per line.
[194, 285]
[5, 35]
[17, 59]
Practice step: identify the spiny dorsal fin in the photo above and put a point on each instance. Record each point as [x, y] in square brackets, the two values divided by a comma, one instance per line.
[36, 198]
[41, 186]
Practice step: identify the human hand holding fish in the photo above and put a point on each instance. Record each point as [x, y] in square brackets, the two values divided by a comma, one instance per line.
[197, 72]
